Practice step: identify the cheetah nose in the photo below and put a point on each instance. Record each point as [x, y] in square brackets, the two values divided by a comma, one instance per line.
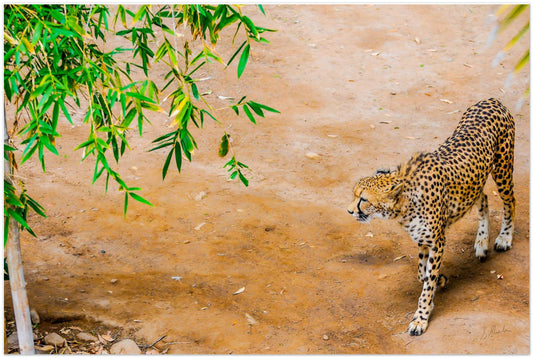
[350, 212]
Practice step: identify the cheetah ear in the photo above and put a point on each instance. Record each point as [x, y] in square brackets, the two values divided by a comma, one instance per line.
[395, 189]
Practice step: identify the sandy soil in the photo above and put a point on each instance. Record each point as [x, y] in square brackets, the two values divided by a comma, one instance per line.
[361, 86]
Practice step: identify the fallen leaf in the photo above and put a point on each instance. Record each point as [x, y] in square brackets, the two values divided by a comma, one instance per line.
[101, 339]
[446, 100]
[76, 328]
[108, 337]
[250, 319]
[399, 258]
[417, 40]
[369, 234]
[199, 226]
[453, 112]
[240, 290]
[46, 348]
[385, 122]
[375, 53]
[499, 277]
[467, 65]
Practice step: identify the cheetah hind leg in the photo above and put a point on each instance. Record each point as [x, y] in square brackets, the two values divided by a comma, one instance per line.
[502, 174]
[482, 239]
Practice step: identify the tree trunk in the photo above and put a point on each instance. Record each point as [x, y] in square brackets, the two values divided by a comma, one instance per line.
[21, 305]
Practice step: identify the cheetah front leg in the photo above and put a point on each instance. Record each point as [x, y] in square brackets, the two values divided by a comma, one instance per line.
[482, 239]
[431, 279]
[423, 254]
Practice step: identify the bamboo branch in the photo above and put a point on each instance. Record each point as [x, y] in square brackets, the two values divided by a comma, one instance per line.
[21, 305]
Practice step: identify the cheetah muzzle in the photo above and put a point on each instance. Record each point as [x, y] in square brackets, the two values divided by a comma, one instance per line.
[434, 189]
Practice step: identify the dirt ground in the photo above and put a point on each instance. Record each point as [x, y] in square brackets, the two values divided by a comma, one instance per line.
[361, 86]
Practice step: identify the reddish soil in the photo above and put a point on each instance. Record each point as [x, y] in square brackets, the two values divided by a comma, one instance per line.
[362, 87]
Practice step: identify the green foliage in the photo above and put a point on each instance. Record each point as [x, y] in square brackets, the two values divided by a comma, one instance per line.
[17, 206]
[506, 15]
[54, 60]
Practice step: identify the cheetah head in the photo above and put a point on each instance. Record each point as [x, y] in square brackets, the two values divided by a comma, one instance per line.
[376, 196]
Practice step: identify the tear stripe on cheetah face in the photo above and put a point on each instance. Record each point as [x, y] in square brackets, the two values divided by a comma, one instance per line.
[434, 189]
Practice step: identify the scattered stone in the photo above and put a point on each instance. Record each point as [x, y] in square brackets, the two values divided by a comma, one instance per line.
[312, 155]
[55, 339]
[113, 281]
[13, 340]
[325, 337]
[200, 196]
[86, 337]
[35, 319]
[126, 346]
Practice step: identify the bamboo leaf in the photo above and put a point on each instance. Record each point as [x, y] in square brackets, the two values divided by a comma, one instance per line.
[523, 61]
[195, 91]
[517, 37]
[167, 163]
[243, 179]
[224, 145]
[125, 203]
[513, 14]
[236, 52]
[267, 108]
[140, 199]
[243, 60]
[177, 156]
[248, 113]
[15, 215]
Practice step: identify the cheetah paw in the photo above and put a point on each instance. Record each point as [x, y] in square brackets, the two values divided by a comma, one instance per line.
[502, 244]
[481, 254]
[417, 326]
[442, 281]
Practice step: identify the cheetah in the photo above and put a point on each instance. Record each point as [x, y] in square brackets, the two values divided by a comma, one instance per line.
[432, 190]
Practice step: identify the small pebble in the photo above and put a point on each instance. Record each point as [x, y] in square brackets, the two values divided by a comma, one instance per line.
[55, 339]
[312, 155]
[113, 281]
[86, 337]
[325, 337]
[200, 196]
[13, 340]
[126, 346]
[35, 319]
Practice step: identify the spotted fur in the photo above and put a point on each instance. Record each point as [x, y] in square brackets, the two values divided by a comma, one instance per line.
[434, 189]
